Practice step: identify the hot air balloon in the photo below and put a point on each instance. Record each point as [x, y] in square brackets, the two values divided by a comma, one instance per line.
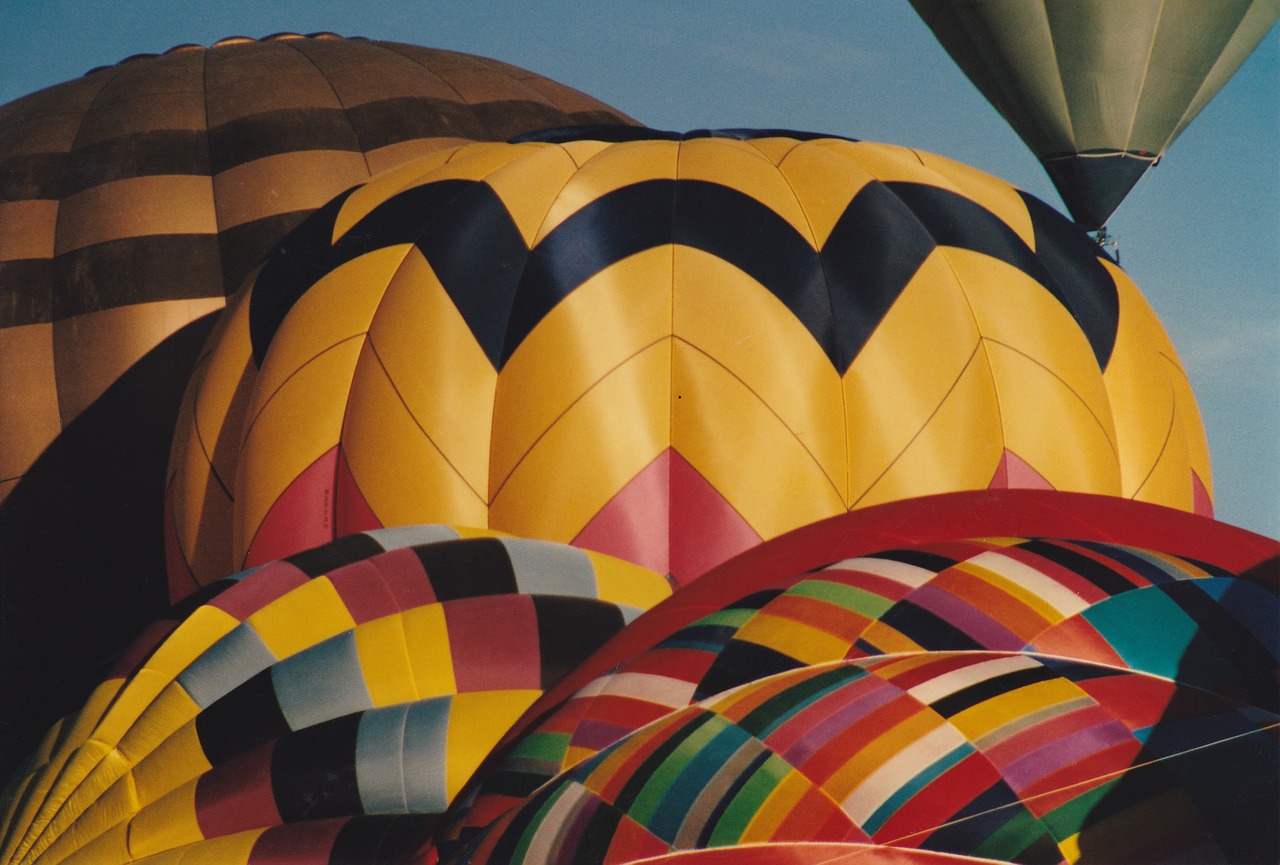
[1016, 757]
[668, 348]
[360, 681]
[1098, 91]
[1119, 605]
[132, 201]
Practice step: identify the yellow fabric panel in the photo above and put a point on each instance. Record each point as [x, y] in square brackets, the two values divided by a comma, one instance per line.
[775, 149]
[1047, 424]
[109, 848]
[1032, 599]
[27, 229]
[284, 183]
[620, 582]
[1016, 311]
[593, 450]
[581, 152]
[797, 639]
[477, 721]
[1153, 406]
[884, 162]
[204, 626]
[426, 637]
[984, 189]
[976, 721]
[165, 824]
[421, 407]
[740, 325]
[50, 821]
[166, 714]
[304, 616]
[872, 755]
[30, 393]
[177, 760]
[825, 180]
[740, 166]
[611, 169]
[385, 661]
[154, 204]
[610, 319]
[529, 186]
[337, 307]
[393, 155]
[887, 639]
[907, 370]
[133, 703]
[384, 184]
[761, 467]
[223, 850]
[958, 447]
[91, 812]
[279, 447]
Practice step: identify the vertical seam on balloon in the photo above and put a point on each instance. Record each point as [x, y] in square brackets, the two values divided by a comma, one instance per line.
[1142, 83]
[672, 396]
[297, 46]
[1164, 445]
[1062, 87]
[369, 343]
[844, 491]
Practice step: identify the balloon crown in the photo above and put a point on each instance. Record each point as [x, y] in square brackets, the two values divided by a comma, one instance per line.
[617, 134]
[187, 47]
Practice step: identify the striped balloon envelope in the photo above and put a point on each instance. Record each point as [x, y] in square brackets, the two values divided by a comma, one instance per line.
[132, 201]
[1104, 603]
[1016, 757]
[319, 700]
[669, 348]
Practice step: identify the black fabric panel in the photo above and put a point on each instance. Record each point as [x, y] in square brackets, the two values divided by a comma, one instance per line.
[569, 630]
[504, 849]
[381, 839]
[918, 558]
[313, 771]
[597, 836]
[758, 721]
[245, 246]
[142, 154]
[740, 662]
[873, 251]
[26, 176]
[136, 270]
[390, 121]
[1091, 569]
[467, 568]
[927, 629]
[245, 139]
[26, 292]
[477, 252]
[615, 225]
[245, 718]
[955, 703]
[333, 555]
[1080, 280]
[302, 257]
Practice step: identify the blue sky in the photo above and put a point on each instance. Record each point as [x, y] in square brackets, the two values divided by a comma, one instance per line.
[1200, 234]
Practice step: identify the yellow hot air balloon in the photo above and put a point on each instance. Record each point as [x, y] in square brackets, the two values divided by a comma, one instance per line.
[1097, 89]
[668, 349]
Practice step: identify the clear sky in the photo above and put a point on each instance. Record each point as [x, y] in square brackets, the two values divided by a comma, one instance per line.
[1200, 235]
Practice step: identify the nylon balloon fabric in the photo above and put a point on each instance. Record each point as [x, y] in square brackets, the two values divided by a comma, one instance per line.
[669, 350]
[330, 702]
[132, 201]
[1016, 757]
[1098, 91]
[1102, 603]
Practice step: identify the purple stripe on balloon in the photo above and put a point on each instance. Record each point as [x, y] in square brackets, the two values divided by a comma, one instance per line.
[972, 621]
[841, 709]
[1065, 750]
